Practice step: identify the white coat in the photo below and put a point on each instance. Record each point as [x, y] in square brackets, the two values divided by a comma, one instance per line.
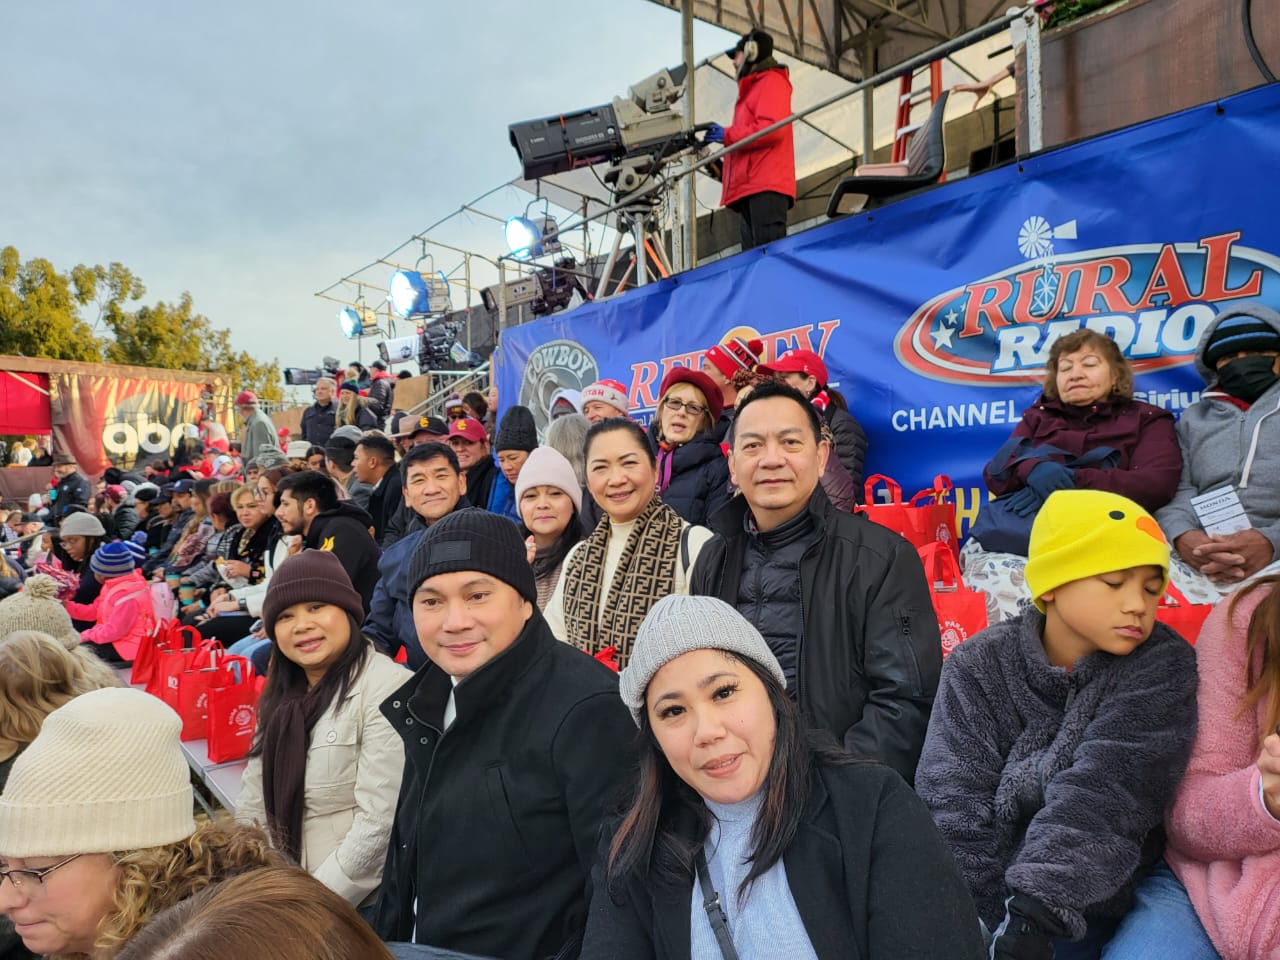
[355, 760]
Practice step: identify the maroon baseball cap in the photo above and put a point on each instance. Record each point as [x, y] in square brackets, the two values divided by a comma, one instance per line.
[715, 399]
[798, 361]
[469, 429]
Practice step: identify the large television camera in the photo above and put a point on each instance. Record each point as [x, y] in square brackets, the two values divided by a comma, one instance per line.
[641, 124]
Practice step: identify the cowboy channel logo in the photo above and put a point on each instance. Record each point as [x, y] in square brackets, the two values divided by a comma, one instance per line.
[1155, 300]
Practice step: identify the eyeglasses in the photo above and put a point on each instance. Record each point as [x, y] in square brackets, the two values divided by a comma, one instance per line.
[260, 495]
[693, 409]
[31, 882]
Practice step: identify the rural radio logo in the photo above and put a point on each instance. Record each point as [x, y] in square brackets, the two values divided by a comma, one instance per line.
[1155, 300]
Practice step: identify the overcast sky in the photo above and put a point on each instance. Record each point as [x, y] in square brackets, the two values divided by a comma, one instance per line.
[254, 152]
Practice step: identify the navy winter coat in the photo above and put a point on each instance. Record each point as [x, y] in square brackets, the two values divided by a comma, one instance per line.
[698, 483]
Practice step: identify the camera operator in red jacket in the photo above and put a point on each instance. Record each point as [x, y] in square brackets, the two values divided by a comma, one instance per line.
[760, 179]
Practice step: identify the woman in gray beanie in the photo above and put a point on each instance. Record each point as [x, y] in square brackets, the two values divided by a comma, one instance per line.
[749, 837]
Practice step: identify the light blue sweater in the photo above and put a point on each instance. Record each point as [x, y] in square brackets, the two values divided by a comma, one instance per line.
[765, 922]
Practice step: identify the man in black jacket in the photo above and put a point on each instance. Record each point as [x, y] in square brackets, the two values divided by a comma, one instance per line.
[71, 492]
[307, 503]
[318, 419]
[842, 602]
[516, 746]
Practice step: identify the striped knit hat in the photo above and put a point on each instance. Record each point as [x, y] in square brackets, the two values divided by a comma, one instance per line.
[113, 559]
[1239, 332]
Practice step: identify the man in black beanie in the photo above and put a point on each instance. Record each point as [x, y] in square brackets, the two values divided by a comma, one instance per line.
[516, 746]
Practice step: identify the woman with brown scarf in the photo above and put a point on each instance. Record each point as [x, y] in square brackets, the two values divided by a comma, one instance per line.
[639, 552]
[325, 769]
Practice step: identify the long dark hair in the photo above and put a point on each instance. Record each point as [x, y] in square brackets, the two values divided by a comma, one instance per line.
[654, 836]
[286, 680]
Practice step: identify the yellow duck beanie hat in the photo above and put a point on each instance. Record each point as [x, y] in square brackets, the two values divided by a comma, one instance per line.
[1082, 533]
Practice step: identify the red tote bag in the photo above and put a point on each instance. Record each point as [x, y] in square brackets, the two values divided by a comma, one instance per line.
[1180, 614]
[928, 517]
[961, 610]
[192, 695]
[232, 707]
[169, 635]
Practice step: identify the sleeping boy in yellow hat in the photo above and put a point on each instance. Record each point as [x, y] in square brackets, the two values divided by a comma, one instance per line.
[1057, 739]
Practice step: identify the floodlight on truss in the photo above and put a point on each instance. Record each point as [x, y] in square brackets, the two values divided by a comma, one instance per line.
[414, 294]
[357, 321]
[530, 237]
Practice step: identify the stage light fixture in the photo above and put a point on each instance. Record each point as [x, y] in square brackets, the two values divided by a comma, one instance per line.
[414, 294]
[357, 321]
[530, 237]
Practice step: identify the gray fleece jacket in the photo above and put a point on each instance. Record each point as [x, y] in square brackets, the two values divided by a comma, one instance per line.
[1052, 783]
[1222, 444]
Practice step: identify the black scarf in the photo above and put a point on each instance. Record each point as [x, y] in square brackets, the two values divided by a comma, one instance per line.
[284, 763]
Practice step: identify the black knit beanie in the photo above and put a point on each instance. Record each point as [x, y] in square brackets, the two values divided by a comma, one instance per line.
[310, 575]
[1236, 333]
[517, 431]
[473, 539]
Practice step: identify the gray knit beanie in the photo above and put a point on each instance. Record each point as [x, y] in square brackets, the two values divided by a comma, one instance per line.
[37, 608]
[679, 624]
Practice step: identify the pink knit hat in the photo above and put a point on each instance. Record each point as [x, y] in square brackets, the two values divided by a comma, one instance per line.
[547, 466]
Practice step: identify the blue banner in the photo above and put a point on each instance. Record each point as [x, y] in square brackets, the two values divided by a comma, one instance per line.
[935, 314]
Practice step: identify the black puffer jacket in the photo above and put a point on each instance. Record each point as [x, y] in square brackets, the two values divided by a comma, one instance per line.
[124, 521]
[851, 442]
[698, 483]
[870, 656]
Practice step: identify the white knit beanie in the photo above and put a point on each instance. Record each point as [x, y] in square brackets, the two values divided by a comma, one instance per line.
[547, 466]
[105, 773]
[678, 624]
[37, 608]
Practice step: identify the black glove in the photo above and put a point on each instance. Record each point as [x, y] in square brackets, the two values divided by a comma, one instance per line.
[1047, 477]
[1027, 931]
[1024, 502]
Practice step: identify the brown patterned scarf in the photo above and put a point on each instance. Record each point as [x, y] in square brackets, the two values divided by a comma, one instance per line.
[646, 573]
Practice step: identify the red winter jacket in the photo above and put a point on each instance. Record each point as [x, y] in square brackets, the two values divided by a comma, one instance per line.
[1148, 460]
[769, 163]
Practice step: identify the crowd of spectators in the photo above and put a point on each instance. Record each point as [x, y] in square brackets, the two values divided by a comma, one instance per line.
[629, 692]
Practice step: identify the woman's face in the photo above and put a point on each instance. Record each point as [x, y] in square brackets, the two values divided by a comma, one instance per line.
[265, 492]
[1084, 377]
[313, 635]
[61, 912]
[75, 545]
[620, 475]
[683, 413]
[247, 511]
[546, 511]
[510, 462]
[713, 721]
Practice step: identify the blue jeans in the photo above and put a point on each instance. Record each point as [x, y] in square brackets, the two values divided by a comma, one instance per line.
[1162, 924]
[1090, 947]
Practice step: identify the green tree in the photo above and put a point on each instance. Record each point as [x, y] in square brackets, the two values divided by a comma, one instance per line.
[174, 336]
[40, 310]
[41, 316]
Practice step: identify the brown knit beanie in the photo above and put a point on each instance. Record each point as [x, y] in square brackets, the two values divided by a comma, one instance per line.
[309, 575]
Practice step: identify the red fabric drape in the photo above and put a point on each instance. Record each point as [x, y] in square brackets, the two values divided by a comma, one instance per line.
[24, 403]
